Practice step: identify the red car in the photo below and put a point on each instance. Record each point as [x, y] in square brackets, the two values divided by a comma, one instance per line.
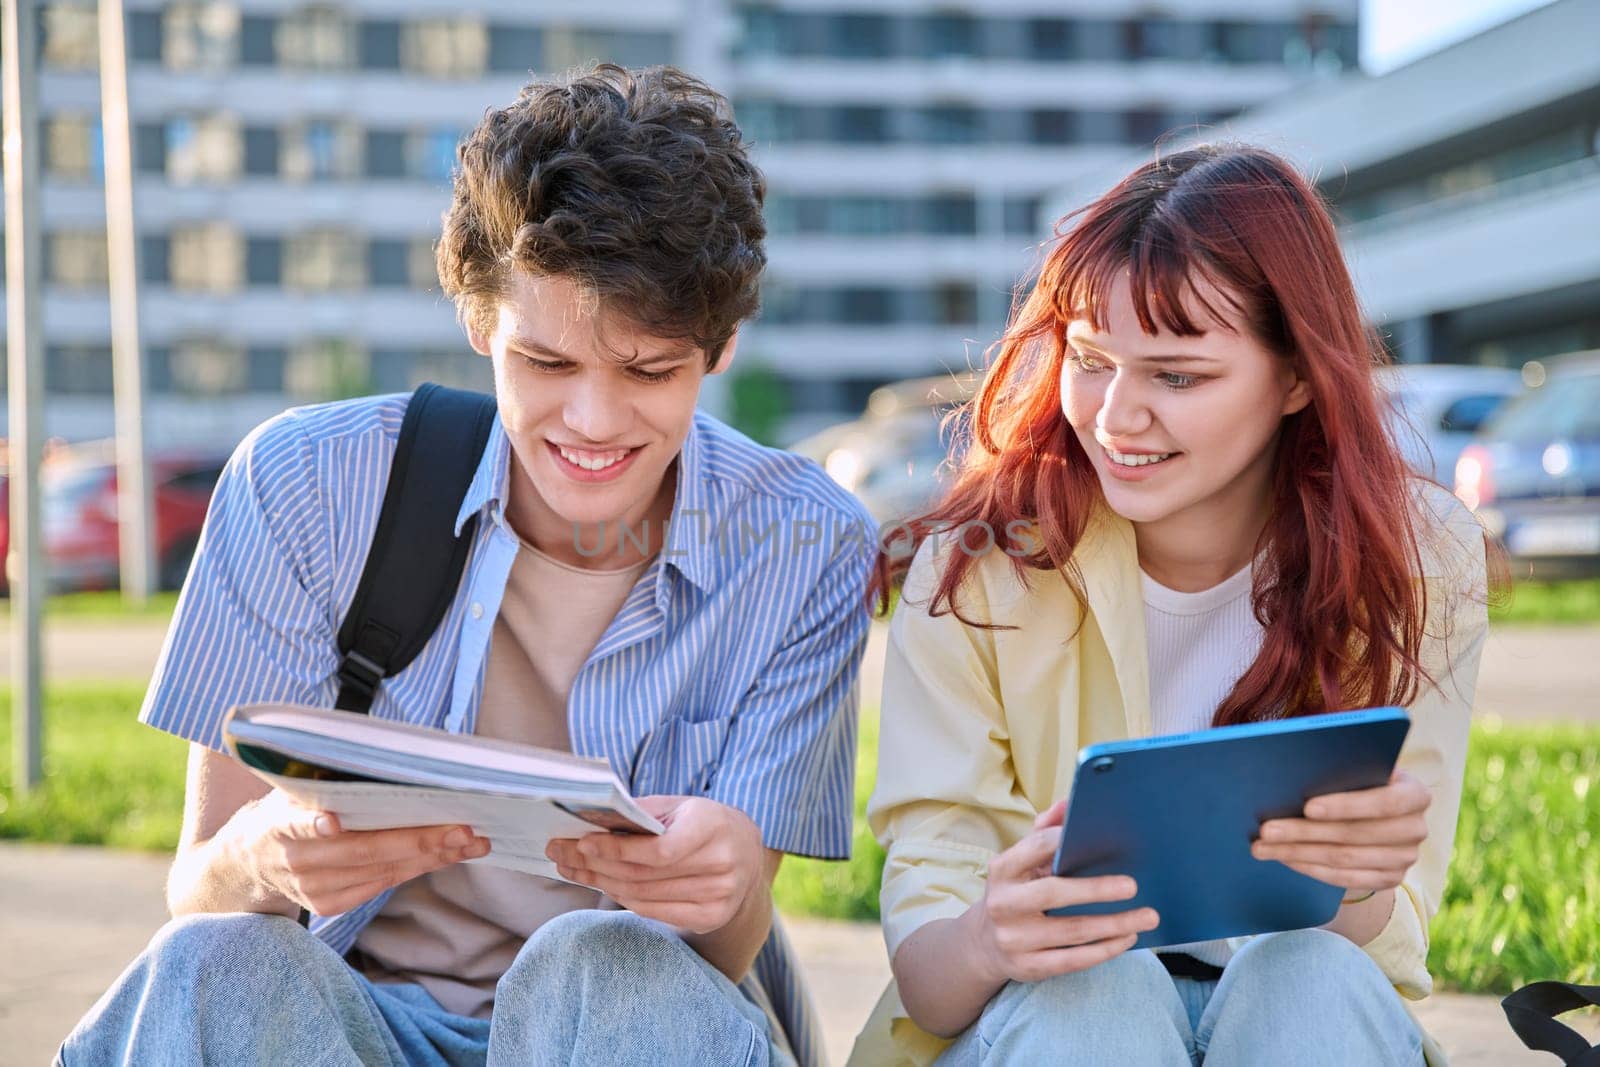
[78, 492]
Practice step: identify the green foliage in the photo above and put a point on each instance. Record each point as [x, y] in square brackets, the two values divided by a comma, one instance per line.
[1523, 902]
[757, 401]
[107, 604]
[833, 890]
[1575, 601]
[107, 779]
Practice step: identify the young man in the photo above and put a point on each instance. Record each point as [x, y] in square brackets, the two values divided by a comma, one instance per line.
[644, 585]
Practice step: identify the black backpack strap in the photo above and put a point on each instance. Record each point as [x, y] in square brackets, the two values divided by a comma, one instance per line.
[414, 565]
[1531, 1011]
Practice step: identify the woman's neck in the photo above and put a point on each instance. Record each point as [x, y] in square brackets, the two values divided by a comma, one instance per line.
[1191, 553]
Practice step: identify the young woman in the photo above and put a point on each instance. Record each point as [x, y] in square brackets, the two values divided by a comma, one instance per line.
[1179, 509]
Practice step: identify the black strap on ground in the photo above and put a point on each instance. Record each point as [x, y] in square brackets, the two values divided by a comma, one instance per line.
[414, 565]
[1531, 1011]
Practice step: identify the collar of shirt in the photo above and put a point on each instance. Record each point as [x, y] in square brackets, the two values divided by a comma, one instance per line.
[687, 544]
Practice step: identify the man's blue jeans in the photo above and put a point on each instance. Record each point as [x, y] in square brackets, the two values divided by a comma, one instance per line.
[1307, 997]
[603, 987]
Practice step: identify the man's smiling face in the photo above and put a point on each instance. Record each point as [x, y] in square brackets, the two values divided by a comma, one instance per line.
[595, 410]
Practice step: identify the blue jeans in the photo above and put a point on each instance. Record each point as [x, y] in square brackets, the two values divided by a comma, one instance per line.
[1306, 997]
[588, 987]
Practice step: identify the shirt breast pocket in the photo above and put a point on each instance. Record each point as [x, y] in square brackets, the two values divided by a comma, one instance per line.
[680, 757]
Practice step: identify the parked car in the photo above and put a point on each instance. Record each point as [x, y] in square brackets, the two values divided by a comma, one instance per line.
[893, 458]
[78, 513]
[1533, 475]
[1436, 408]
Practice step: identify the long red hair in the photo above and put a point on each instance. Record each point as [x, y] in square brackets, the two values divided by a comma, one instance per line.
[1336, 584]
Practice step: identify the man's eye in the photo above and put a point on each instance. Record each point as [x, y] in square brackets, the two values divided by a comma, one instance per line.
[655, 376]
[543, 365]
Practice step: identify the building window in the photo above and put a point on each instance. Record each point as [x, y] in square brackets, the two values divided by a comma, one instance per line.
[321, 150]
[261, 146]
[378, 45]
[203, 149]
[207, 258]
[207, 367]
[955, 304]
[952, 124]
[258, 41]
[515, 49]
[71, 36]
[1020, 215]
[864, 306]
[1050, 39]
[150, 148]
[144, 36]
[326, 369]
[155, 258]
[387, 266]
[858, 36]
[1102, 40]
[1051, 126]
[950, 215]
[201, 36]
[859, 124]
[385, 154]
[315, 38]
[263, 261]
[323, 261]
[455, 48]
[433, 154]
[78, 369]
[74, 148]
[76, 259]
[568, 46]
[949, 35]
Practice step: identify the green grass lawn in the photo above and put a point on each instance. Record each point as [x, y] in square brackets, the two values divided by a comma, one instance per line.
[101, 605]
[1523, 901]
[1531, 602]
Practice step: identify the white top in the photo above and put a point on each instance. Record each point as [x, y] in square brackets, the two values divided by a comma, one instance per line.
[1199, 644]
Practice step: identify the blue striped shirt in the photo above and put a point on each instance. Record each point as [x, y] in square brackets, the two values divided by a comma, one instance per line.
[729, 672]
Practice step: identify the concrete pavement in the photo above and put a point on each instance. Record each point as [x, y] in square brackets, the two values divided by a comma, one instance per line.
[72, 918]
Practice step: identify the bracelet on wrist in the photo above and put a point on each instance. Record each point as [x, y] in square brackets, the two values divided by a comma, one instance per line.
[1368, 895]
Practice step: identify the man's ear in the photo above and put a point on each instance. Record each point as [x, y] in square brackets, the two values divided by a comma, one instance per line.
[1299, 396]
[478, 340]
[728, 350]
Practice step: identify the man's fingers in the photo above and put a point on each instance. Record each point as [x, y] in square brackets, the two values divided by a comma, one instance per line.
[368, 848]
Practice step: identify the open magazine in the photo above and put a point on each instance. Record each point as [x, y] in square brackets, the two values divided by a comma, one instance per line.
[376, 775]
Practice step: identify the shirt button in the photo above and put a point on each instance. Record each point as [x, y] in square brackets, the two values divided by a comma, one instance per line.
[477, 611]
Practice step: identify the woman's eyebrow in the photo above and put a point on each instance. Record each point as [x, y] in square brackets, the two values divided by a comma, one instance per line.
[1175, 357]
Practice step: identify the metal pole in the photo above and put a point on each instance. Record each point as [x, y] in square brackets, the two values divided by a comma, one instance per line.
[122, 246]
[25, 365]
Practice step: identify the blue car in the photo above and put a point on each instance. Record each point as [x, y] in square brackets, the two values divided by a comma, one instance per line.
[1533, 474]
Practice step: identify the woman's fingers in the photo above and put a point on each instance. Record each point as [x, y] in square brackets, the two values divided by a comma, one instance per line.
[1024, 860]
[1033, 898]
[1350, 878]
[1403, 829]
[1374, 857]
[1049, 963]
[1404, 795]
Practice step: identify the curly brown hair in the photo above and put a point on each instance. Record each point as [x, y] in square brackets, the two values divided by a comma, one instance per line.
[635, 184]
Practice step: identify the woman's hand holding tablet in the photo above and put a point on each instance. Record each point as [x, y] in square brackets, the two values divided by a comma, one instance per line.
[1363, 840]
[1013, 938]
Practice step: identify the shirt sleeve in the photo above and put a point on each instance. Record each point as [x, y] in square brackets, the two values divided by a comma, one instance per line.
[946, 799]
[1436, 748]
[793, 737]
[254, 621]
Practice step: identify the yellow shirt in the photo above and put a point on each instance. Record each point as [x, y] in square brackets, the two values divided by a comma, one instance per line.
[981, 730]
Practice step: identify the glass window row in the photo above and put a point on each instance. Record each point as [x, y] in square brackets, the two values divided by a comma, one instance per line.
[768, 122]
[214, 36]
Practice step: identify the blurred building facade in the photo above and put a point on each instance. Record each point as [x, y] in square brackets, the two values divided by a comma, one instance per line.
[1467, 185]
[292, 162]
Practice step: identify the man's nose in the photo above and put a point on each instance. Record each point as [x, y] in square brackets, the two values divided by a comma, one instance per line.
[597, 413]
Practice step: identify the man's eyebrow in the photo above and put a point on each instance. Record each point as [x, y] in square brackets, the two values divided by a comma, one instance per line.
[1175, 357]
[533, 344]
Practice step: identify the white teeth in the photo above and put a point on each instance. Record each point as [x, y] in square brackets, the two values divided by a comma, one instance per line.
[1136, 459]
[592, 461]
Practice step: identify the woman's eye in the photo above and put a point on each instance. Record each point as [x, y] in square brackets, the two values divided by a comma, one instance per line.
[1088, 364]
[1177, 381]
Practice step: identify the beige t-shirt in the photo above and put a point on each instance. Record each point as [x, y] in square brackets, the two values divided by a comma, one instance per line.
[456, 931]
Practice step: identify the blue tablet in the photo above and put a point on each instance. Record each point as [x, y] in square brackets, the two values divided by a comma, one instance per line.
[1178, 814]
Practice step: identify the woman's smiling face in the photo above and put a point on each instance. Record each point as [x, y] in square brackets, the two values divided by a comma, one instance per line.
[1178, 428]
